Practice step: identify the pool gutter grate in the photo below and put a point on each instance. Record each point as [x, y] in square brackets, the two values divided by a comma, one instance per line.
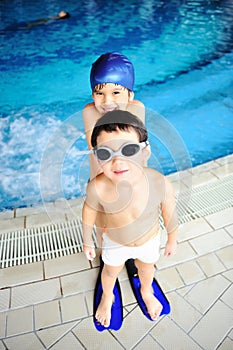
[61, 239]
[40, 243]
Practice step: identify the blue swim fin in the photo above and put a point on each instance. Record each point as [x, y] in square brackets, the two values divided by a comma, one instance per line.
[117, 307]
[135, 284]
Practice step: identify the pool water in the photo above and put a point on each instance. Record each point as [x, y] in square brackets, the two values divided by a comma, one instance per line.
[182, 52]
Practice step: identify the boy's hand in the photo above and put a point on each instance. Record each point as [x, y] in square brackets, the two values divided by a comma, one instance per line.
[89, 252]
[170, 248]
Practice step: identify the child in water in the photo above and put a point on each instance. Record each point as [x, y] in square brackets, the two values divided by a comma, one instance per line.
[112, 83]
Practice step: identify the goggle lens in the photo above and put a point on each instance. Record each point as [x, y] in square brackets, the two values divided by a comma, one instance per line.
[129, 150]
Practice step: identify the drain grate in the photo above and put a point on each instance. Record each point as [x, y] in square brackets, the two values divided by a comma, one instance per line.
[206, 199]
[56, 240]
[40, 243]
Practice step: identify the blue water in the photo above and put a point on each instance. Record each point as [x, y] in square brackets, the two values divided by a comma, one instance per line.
[182, 52]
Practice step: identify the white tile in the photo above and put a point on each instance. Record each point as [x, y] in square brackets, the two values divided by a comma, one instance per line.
[211, 241]
[216, 323]
[184, 314]
[204, 167]
[148, 343]
[210, 264]
[193, 229]
[127, 293]
[227, 297]
[225, 255]
[169, 279]
[4, 299]
[135, 326]
[34, 293]
[184, 253]
[69, 341]
[24, 342]
[170, 336]
[47, 314]
[16, 275]
[29, 211]
[7, 214]
[73, 308]
[190, 272]
[51, 335]
[230, 335]
[86, 332]
[202, 178]
[25, 315]
[229, 229]
[229, 275]
[2, 324]
[11, 225]
[2, 347]
[89, 297]
[227, 344]
[206, 293]
[223, 170]
[221, 219]
[65, 265]
[183, 291]
[79, 282]
[42, 219]
[224, 160]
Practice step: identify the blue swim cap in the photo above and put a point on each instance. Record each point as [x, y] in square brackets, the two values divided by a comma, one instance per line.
[112, 67]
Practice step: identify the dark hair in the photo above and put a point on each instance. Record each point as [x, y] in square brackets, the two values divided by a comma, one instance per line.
[67, 15]
[122, 120]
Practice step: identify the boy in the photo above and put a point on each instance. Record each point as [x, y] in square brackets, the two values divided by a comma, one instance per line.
[130, 196]
[112, 81]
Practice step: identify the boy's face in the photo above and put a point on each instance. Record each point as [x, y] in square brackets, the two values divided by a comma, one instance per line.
[111, 97]
[121, 167]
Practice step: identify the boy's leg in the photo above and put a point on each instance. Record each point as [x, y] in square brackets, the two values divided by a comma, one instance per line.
[108, 279]
[146, 275]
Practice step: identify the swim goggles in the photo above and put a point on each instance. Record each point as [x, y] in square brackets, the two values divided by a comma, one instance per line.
[105, 154]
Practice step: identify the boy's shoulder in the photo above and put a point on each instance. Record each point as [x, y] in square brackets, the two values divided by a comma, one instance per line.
[137, 102]
[153, 172]
[90, 115]
[155, 175]
[89, 105]
[98, 180]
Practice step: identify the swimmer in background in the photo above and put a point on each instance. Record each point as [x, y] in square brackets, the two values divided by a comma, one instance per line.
[60, 15]
[24, 26]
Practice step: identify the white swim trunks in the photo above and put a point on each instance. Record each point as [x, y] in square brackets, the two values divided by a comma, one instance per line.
[115, 254]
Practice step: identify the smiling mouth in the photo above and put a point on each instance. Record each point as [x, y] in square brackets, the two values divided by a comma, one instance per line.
[109, 109]
[119, 172]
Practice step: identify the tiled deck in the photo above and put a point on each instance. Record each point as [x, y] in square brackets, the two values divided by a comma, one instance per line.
[48, 304]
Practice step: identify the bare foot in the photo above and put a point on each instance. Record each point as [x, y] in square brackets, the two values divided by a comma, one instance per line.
[103, 312]
[154, 307]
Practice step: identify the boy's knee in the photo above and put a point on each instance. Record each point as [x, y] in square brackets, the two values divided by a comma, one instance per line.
[110, 272]
[143, 268]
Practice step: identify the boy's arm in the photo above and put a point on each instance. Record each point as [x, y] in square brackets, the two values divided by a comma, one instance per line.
[90, 115]
[88, 220]
[89, 213]
[170, 218]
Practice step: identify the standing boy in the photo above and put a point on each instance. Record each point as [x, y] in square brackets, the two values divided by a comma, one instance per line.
[130, 196]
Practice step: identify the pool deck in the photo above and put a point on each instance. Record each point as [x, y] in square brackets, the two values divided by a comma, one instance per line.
[48, 304]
